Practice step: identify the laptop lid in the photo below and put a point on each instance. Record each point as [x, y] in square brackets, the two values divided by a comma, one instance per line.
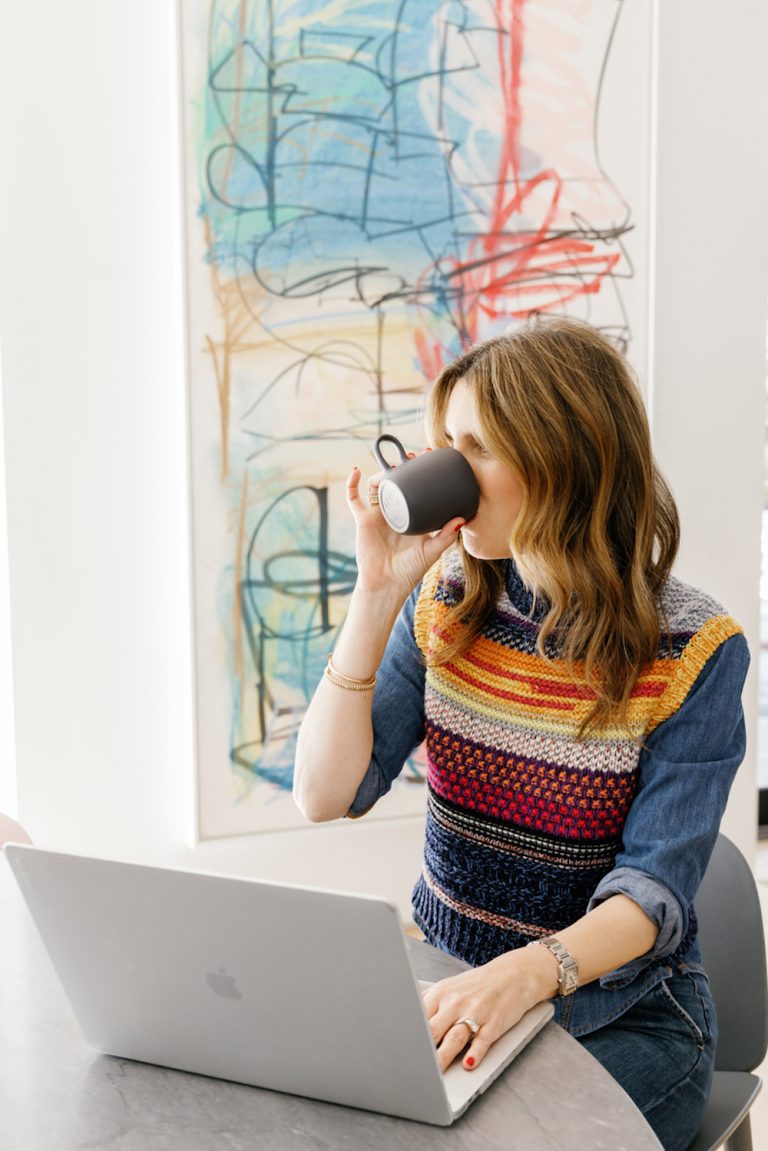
[290, 988]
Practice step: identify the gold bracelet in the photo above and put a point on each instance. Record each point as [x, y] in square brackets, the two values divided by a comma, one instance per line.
[346, 681]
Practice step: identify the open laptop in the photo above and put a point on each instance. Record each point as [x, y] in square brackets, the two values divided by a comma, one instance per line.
[290, 988]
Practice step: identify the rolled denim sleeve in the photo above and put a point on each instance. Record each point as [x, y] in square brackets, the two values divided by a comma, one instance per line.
[685, 773]
[398, 711]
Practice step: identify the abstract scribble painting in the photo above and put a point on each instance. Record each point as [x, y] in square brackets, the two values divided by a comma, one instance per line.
[370, 186]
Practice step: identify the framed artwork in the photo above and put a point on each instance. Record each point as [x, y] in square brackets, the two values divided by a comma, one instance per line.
[370, 186]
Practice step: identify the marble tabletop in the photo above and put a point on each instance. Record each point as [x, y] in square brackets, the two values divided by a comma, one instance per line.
[57, 1094]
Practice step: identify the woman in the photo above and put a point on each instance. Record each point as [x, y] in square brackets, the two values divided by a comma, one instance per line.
[582, 716]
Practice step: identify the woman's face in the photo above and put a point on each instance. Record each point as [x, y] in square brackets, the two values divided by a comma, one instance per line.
[486, 536]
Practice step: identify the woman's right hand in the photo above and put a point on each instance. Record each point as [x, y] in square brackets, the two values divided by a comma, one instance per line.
[387, 560]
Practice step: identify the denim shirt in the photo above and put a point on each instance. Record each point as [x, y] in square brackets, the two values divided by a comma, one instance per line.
[685, 772]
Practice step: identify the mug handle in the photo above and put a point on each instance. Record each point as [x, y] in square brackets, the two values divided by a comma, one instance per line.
[386, 438]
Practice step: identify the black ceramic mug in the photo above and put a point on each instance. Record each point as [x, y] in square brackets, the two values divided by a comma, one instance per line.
[421, 495]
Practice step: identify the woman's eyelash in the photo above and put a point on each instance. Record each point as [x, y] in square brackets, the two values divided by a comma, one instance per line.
[472, 445]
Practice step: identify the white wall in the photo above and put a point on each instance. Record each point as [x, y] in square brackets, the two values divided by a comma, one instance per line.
[711, 313]
[95, 407]
[90, 310]
[94, 420]
[8, 796]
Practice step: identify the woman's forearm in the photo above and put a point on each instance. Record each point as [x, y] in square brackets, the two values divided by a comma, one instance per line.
[614, 933]
[500, 992]
[336, 737]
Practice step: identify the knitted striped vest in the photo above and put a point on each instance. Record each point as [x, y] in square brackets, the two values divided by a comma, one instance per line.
[523, 820]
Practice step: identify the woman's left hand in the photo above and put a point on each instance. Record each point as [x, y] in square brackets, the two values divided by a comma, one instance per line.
[495, 996]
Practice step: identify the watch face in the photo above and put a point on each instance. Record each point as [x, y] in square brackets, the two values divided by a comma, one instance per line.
[570, 983]
[567, 967]
[569, 977]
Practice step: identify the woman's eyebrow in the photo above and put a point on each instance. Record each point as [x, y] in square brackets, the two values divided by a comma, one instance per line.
[468, 437]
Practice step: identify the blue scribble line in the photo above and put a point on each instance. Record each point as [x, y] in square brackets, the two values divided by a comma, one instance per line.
[328, 192]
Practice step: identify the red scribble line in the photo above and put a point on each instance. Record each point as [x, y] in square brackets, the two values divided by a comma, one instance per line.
[509, 33]
[500, 276]
[429, 354]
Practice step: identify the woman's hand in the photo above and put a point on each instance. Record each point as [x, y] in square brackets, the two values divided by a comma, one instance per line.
[495, 996]
[498, 994]
[386, 560]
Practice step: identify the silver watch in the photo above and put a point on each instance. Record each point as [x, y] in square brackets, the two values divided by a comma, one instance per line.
[567, 967]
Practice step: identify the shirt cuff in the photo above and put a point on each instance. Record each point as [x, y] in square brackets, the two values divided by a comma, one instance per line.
[658, 903]
[371, 788]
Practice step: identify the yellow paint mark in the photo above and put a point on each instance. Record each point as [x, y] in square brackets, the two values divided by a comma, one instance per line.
[237, 612]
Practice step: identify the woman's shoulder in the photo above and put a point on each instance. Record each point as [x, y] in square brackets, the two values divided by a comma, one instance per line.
[695, 626]
[685, 608]
[698, 636]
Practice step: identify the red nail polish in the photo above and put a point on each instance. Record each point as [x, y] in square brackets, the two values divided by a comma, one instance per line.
[469, 1061]
[458, 527]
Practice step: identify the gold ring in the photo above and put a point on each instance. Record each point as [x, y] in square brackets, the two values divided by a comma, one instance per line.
[472, 1024]
[373, 497]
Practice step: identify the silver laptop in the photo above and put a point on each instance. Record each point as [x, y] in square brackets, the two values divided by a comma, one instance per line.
[290, 988]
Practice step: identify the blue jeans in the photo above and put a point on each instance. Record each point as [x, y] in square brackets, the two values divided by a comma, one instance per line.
[662, 1052]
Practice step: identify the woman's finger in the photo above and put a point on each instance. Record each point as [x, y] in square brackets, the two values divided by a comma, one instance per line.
[373, 492]
[372, 487]
[440, 1023]
[458, 1040]
[477, 1050]
[454, 1042]
[452, 1038]
[435, 545]
[353, 488]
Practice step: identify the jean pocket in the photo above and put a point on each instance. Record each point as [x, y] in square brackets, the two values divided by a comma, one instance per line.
[688, 999]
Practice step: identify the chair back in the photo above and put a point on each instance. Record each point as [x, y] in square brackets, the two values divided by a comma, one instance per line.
[733, 952]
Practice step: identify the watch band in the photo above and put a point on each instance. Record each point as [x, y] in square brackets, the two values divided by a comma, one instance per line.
[567, 967]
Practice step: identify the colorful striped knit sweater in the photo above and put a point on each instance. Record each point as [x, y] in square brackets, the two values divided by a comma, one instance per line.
[523, 820]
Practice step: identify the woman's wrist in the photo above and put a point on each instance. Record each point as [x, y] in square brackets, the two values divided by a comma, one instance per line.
[534, 971]
[378, 605]
[367, 628]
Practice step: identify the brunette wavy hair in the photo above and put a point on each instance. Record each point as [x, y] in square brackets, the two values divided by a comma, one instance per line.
[598, 530]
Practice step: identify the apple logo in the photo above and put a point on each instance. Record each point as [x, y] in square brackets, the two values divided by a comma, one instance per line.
[222, 984]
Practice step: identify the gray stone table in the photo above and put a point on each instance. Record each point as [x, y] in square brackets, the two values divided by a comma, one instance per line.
[57, 1094]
